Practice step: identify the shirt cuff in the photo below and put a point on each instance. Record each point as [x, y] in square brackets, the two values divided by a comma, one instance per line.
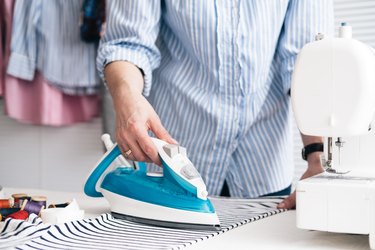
[21, 66]
[135, 57]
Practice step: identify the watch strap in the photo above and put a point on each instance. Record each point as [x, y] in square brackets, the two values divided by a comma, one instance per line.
[311, 148]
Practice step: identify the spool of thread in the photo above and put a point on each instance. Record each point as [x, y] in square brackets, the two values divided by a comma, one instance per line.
[6, 203]
[4, 212]
[32, 207]
[62, 205]
[19, 198]
[42, 200]
[19, 215]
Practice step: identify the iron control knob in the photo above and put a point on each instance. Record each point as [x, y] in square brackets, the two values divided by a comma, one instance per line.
[189, 172]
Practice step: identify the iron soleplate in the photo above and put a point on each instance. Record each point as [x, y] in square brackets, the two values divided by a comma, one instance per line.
[168, 224]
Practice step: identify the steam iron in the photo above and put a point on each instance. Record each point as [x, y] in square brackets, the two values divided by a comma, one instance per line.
[176, 198]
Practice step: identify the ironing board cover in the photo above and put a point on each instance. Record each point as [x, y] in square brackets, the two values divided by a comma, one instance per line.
[105, 232]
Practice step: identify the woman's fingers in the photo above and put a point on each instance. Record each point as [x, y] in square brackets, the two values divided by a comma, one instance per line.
[158, 129]
[148, 147]
[132, 150]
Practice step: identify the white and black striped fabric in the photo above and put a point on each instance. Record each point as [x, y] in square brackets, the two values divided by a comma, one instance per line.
[16, 232]
[105, 232]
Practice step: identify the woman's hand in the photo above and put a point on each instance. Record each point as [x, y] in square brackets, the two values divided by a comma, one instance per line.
[134, 114]
[314, 168]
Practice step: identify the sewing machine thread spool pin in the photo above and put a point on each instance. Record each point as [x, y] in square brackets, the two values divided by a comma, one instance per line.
[339, 143]
[328, 163]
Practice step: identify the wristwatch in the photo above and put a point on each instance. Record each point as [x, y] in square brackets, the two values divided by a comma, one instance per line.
[311, 148]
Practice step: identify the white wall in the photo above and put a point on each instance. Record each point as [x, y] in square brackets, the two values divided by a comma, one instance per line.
[47, 157]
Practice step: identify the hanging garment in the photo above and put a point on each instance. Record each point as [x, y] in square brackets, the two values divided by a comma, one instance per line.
[41, 103]
[46, 37]
[6, 10]
[37, 101]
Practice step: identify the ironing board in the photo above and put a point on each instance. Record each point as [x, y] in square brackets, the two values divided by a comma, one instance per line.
[106, 232]
[273, 232]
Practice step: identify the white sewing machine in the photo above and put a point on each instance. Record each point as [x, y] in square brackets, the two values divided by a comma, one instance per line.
[333, 95]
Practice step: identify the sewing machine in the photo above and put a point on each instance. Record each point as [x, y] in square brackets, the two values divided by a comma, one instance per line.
[333, 95]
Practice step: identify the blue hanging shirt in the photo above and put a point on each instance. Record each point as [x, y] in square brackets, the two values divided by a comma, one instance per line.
[46, 37]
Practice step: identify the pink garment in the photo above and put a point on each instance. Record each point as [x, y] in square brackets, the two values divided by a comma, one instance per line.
[37, 102]
[40, 103]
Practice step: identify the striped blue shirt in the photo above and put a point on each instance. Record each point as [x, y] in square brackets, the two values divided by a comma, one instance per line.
[218, 74]
[46, 37]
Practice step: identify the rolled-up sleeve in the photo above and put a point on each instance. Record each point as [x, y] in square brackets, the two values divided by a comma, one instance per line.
[304, 19]
[22, 61]
[132, 28]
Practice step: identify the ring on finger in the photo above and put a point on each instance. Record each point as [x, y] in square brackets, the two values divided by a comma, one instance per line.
[128, 152]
